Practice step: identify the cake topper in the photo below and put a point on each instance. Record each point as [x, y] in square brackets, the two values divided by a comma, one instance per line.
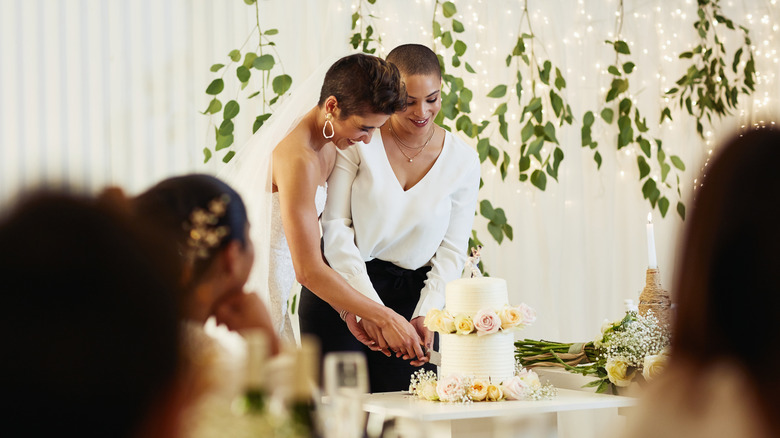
[472, 263]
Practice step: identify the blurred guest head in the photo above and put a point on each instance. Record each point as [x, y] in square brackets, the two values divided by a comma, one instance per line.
[726, 289]
[91, 324]
[208, 220]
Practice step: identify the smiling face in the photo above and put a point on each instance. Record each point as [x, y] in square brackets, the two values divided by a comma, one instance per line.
[423, 104]
[356, 128]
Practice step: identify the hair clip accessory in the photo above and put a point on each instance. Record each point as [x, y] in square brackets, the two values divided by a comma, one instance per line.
[203, 234]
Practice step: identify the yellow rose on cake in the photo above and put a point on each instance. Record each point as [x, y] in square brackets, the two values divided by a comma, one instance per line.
[510, 317]
[494, 393]
[477, 391]
[464, 324]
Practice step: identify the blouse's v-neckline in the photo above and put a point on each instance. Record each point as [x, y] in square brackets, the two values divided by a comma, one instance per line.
[395, 176]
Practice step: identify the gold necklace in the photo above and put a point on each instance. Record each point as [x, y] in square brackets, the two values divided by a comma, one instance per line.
[399, 142]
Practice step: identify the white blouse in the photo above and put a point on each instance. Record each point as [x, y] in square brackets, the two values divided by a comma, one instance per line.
[368, 215]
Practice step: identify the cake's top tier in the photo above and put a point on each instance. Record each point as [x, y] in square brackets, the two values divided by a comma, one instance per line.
[470, 295]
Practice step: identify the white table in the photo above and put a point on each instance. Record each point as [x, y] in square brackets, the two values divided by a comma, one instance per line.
[428, 419]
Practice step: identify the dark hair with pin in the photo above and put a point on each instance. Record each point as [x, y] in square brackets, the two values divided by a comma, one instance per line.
[92, 327]
[364, 84]
[415, 59]
[202, 212]
[726, 288]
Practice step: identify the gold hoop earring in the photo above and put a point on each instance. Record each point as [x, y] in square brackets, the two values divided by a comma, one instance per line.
[328, 119]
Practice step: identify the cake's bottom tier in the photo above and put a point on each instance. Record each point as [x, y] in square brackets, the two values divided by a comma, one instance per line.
[482, 357]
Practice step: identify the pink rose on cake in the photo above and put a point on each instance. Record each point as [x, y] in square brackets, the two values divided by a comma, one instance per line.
[464, 324]
[486, 322]
[515, 388]
[528, 314]
[451, 388]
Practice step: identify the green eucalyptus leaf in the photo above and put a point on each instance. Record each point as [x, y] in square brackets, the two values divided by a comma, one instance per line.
[597, 159]
[493, 154]
[524, 163]
[355, 18]
[271, 32]
[612, 69]
[650, 191]
[482, 149]
[556, 102]
[250, 2]
[460, 48]
[544, 73]
[625, 106]
[469, 68]
[536, 146]
[501, 110]
[448, 9]
[253, 95]
[665, 168]
[215, 87]
[243, 73]
[523, 177]
[499, 217]
[223, 141]
[206, 155]
[622, 47]
[505, 166]
[628, 67]
[231, 109]
[549, 132]
[446, 39]
[644, 168]
[436, 29]
[235, 55]
[464, 124]
[681, 210]
[626, 134]
[539, 179]
[498, 91]
[259, 120]
[645, 145]
[527, 132]
[608, 115]
[249, 59]
[214, 106]
[560, 82]
[507, 231]
[503, 127]
[281, 84]
[355, 40]
[228, 156]
[457, 26]
[678, 163]
[486, 209]
[663, 206]
[496, 231]
[264, 62]
[226, 128]
[216, 67]
[588, 119]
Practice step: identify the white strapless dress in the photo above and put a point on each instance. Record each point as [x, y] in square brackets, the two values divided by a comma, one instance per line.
[281, 277]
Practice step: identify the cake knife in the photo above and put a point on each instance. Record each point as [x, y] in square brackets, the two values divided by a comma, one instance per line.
[434, 357]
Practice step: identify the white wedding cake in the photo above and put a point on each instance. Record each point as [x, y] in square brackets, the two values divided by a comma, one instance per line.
[478, 348]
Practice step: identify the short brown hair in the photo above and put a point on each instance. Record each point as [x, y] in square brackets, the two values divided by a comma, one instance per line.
[364, 84]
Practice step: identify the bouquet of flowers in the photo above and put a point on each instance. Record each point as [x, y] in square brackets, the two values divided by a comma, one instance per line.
[626, 349]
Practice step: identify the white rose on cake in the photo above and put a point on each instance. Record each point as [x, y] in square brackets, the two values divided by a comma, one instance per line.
[428, 391]
[510, 317]
[653, 365]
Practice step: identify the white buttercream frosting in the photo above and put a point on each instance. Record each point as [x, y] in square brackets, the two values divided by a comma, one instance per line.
[483, 357]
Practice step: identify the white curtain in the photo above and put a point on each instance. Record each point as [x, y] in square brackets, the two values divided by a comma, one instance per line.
[109, 92]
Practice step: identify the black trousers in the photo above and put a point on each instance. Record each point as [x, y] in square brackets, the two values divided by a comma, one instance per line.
[399, 290]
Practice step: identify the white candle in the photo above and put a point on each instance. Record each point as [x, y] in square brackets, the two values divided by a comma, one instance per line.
[651, 261]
